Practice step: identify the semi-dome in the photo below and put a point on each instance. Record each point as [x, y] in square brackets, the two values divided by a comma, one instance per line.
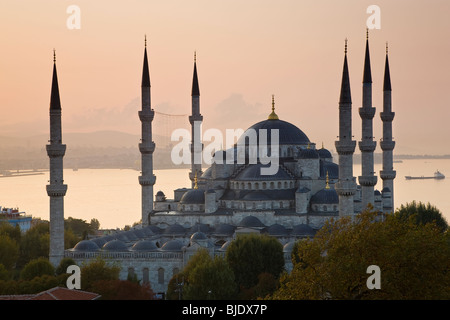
[194, 196]
[251, 222]
[308, 153]
[144, 245]
[324, 153]
[253, 173]
[115, 245]
[325, 196]
[224, 229]
[198, 236]
[86, 245]
[175, 229]
[277, 230]
[172, 245]
[288, 133]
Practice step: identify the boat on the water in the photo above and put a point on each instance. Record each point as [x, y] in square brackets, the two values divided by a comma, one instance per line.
[437, 175]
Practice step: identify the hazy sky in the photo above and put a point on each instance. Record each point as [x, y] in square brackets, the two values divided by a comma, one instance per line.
[247, 50]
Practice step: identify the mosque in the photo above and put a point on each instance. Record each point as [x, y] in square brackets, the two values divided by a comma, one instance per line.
[235, 197]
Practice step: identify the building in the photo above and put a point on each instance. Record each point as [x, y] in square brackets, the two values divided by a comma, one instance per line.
[16, 218]
[235, 194]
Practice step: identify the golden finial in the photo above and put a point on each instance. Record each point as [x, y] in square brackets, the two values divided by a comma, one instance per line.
[145, 40]
[273, 115]
[367, 33]
[346, 40]
[195, 181]
[195, 56]
[387, 47]
[322, 145]
[309, 146]
[54, 55]
[328, 182]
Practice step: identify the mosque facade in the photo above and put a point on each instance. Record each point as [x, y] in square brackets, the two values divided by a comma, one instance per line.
[234, 197]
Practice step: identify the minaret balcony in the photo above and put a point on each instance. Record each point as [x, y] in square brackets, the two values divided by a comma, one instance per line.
[345, 187]
[387, 145]
[387, 116]
[195, 117]
[147, 181]
[388, 174]
[146, 115]
[367, 146]
[56, 190]
[367, 113]
[56, 150]
[367, 181]
[146, 148]
[345, 147]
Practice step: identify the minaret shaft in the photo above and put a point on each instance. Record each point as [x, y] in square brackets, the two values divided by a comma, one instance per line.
[195, 120]
[367, 145]
[147, 179]
[56, 189]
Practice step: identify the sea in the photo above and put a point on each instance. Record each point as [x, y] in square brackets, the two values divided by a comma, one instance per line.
[113, 196]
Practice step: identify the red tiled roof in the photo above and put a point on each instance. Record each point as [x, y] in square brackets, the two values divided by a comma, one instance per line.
[57, 293]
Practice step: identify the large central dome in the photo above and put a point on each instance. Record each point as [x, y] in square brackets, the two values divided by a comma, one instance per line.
[288, 133]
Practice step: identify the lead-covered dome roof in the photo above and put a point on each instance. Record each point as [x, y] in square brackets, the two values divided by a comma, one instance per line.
[325, 196]
[288, 133]
[194, 196]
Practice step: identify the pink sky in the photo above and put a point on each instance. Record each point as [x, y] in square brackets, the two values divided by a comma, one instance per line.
[247, 50]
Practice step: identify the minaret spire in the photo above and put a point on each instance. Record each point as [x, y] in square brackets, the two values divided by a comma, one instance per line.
[56, 189]
[195, 120]
[147, 146]
[345, 146]
[387, 174]
[367, 180]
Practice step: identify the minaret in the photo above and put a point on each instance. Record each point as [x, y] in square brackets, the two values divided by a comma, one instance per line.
[147, 146]
[387, 144]
[196, 121]
[56, 190]
[367, 179]
[345, 146]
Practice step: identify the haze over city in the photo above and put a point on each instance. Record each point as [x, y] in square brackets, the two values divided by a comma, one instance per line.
[246, 51]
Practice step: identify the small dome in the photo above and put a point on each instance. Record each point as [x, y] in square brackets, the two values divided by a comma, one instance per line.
[200, 227]
[288, 247]
[121, 236]
[277, 230]
[139, 233]
[325, 196]
[131, 235]
[86, 245]
[194, 196]
[198, 236]
[225, 246]
[251, 222]
[151, 230]
[303, 230]
[308, 154]
[175, 229]
[160, 193]
[224, 229]
[100, 241]
[144, 245]
[115, 245]
[172, 245]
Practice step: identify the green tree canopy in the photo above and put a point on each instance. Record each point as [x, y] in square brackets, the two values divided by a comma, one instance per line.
[208, 278]
[9, 252]
[414, 261]
[249, 255]
[37, 268]
[95, 271]
[423, 214]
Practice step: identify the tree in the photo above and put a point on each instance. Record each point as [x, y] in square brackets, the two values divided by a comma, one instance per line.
[34, 243]
[95, 271]
[63, 265]
[252, 254]
[208, 278]
[414, 261]
[37, 268]
[13, 232]
[9, 252]
[423, 214]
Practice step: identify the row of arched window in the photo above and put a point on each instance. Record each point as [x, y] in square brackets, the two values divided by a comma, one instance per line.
[258, 185]
[146, 274]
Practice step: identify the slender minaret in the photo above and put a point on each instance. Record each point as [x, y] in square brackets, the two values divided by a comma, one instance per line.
[345, 146]
[196, 121]
[56, 189]
[147, 146]
[367, 179]
[387, 144]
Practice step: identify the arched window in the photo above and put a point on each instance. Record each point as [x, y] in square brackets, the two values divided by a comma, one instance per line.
[161, 276]
[145, 275]
[131, 274]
